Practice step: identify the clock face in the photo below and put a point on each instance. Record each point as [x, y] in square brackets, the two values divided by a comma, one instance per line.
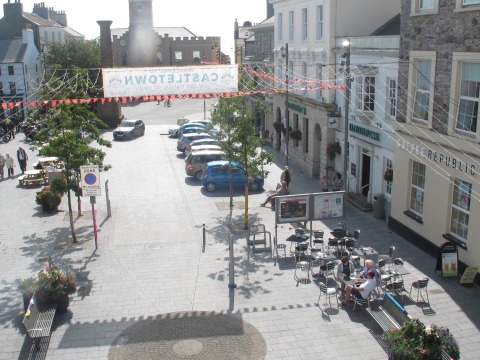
[139, 9]
[123, 42]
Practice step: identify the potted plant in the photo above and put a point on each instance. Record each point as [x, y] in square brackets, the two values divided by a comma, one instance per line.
[48, 198]
[296, 134]
[388, 175]
[50, 284]
[417, 341]
[332, 150]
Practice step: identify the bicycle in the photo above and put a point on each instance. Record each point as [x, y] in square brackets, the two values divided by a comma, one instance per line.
[167, 103]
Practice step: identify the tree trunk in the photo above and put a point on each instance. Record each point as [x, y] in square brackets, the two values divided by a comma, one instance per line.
[70, 215]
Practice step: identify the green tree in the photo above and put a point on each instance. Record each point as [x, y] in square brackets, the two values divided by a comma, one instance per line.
[239, 141]
[74, 53]
[72, 134]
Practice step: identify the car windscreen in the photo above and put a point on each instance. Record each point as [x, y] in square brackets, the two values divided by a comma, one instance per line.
[127, 124]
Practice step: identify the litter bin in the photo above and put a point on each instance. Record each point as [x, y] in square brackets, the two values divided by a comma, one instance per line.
[379, 206]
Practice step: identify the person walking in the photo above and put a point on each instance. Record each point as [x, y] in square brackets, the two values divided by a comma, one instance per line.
[2, 165]
[22, 159]
[10, 127]
[9, 164]
[337, 182]
[286, 176]
[325, 184]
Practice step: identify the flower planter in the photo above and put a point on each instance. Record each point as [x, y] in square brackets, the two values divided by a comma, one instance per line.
[62, 304]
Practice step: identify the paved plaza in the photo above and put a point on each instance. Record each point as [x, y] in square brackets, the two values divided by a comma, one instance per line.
[152, 290]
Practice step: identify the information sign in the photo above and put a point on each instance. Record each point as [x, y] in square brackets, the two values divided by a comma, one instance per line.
[328, 205]
[291, 208]
[447, 259]
[90, 176]
[468, 276]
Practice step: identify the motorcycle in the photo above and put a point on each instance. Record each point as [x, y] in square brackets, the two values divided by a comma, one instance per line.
[5, 136]
[167, 103]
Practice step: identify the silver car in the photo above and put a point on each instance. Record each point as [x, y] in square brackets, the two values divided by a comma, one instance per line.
[128, 129]
[177, 130]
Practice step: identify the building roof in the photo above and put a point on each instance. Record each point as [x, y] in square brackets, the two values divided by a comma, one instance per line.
[267, 23]
[391, 27]
[173, 32]
[73, 33]
[40, 21]
[12, 50]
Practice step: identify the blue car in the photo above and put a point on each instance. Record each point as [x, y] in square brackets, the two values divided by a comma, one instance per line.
[216, 175]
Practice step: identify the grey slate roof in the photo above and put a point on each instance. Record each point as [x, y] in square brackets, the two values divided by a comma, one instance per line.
[12, 50]
[391, 27]
[40, 20]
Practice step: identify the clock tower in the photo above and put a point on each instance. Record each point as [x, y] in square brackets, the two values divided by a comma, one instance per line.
[141, 46]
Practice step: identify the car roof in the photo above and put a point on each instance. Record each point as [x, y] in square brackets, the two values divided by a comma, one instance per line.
[222, 163]
[192, 125]
[207, 151]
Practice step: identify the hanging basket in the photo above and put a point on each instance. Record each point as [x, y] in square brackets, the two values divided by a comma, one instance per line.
[388, 175]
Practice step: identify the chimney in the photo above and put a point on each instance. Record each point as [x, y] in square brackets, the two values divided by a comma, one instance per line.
[106, 53]
[13, 11]
[27, 37]
[62, 18]
[269, 10]
[52, 14]
[41, 10]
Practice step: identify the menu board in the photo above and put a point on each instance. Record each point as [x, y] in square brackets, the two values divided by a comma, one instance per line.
[449, 264]
[328, 205]
[292, 208]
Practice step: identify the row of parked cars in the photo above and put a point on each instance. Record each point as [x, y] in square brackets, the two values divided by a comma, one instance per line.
[205, 160]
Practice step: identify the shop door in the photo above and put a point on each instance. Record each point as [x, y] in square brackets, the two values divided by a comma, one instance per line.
[366, 161]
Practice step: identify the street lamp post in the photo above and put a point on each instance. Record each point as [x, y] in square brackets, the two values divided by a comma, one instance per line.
[346, 55]
[287, 114]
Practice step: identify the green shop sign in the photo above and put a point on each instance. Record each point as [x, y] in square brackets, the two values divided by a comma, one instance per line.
[297, 108]
[365, 132]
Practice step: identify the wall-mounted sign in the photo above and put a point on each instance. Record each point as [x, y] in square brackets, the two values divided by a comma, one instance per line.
[373, 135]
[295, 107]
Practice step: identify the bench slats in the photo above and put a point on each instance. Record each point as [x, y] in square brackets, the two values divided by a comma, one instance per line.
[391, 315]
[40, 320]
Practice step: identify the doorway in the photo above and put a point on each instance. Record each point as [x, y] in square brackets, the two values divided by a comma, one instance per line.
[366, 163]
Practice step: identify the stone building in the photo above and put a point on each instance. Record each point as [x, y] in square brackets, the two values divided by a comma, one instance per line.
[437, 158]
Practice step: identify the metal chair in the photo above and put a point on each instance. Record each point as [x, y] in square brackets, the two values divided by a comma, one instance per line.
[420, 285]
[301, 251]
[305, 267]
[349, 244]
[391, 251]
[318, 238]
[281, 247]
[360, 301]
[356, 234]
[397, 288]
[328, 292]
[328, 270]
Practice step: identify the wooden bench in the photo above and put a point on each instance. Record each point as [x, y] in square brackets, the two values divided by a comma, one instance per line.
[25, 181]
[390, 314]
[39, 322]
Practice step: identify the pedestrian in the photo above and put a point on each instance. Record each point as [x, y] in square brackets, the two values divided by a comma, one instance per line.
[337, 182]
[325, 184]
[2, 165]
[22, 159]
[286, 176]
[9, 164]
[280, 192]
[10, 127]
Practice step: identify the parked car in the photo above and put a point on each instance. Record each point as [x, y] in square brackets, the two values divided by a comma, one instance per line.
[207, 141]
[177, 130]
[193, 129]
[128, 129]
[186, 139]
[200, 148]
[197, 160]
[216, 175]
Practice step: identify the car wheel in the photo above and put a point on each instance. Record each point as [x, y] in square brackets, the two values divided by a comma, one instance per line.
[198, 175]
[143, 132]
[210, 186]
[178, 134]
[254, 186]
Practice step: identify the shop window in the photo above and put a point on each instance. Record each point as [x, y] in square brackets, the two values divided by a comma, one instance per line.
[467, 115]
[417, 188]
[462, 193]
[392, 98]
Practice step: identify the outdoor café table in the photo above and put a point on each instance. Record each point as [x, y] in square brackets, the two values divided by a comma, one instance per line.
[294, 239]
[397, 270]
[366, 252]
[322, 258]
[35, 177]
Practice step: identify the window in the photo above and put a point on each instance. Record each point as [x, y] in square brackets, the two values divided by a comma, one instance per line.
[392, 97]
[319, 28]
[365, 93]
[261, 44]
[1, 88]
[304, 24]
[426, 4]
[270, 45]
[388, 184]
[418, 188]
[469, 98]
[178, 56]
[10, 70]
[13, 88]
[471, 2]
[280, 27]
[290, 26]
[196, 56]
[319, 78]
[462, 192]
[304, 78]
[421, 104]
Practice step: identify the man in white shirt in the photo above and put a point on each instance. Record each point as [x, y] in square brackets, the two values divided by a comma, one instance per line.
[361, 291]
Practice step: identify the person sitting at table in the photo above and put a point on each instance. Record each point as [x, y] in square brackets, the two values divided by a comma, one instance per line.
[344, 270]
[282, 191]
[369, 265]
[361, 291]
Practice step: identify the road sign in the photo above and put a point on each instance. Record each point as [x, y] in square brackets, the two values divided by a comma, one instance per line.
[90, 175]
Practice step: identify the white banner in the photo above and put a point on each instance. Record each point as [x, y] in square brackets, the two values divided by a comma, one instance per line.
[121, 82]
